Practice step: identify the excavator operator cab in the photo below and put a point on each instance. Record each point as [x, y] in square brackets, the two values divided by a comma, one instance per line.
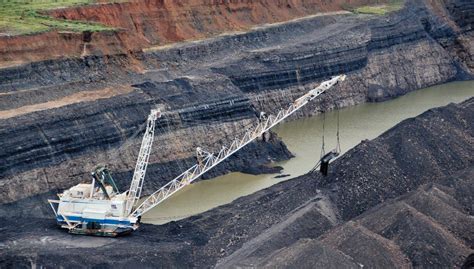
[104, 179]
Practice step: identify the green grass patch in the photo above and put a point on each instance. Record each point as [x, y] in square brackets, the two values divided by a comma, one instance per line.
[25, 17]
[379, 9]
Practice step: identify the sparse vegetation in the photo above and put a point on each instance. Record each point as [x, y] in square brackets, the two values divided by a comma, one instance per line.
[378, 9]
[25, 17]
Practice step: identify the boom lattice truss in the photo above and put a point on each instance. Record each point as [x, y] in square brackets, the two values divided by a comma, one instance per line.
[207, 160]
[136, 185]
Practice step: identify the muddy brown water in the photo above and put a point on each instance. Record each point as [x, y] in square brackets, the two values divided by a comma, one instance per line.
[304, 139]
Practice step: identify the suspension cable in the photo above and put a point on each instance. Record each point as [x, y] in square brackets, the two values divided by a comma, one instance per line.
[323, 150]
[123, 147]
[338, 146]
[167, 128]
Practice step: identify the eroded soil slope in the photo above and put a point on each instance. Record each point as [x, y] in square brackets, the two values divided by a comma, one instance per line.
[161, 22]
[140, 24]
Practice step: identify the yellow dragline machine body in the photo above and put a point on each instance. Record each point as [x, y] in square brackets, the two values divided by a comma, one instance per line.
[99, 208]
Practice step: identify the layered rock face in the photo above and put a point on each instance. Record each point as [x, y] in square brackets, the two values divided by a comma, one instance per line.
[456, 15]
[141, 24]
[60, 118]
[394, 197]
[17, 50]
[65, 143]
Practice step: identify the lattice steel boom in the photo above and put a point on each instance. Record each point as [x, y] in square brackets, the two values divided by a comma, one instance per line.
[206, 160]
[142, 162]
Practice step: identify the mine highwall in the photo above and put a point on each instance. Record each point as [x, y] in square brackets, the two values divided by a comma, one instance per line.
[211, 90]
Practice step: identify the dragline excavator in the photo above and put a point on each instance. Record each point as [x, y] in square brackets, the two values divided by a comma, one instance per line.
[99, 208]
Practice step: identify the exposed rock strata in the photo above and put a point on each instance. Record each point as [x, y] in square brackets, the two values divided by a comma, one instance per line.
[455, 33]
[19, 50]
[217, 84]
[140, 24]
[66, 145]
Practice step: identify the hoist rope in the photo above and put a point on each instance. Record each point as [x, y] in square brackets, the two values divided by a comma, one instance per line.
[338, 143]
[167, 129]
[127, 142]
[338, 146]
[323, 150]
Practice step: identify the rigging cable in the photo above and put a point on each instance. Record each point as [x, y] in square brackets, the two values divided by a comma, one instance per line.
[167, 128]
[127, 142]
[323, 150]
[338, 146]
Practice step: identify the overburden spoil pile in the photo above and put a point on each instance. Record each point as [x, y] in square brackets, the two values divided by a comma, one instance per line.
[402, 199]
